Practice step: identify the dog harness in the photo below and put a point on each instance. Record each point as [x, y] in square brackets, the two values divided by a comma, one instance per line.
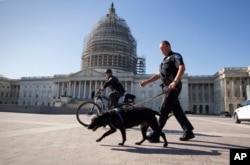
[115, 112]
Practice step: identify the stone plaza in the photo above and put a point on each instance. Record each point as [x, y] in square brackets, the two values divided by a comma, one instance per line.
[40, 139]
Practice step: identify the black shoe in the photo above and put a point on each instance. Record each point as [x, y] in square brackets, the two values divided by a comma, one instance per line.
[187, 135]
[152, 138]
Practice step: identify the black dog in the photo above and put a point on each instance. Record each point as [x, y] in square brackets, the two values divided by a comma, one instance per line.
[127, 118]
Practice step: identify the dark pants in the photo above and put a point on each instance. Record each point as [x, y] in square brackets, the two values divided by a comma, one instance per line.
[170, 103]
[114, 97]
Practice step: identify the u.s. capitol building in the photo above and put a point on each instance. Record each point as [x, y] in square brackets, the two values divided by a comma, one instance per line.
[111, 45]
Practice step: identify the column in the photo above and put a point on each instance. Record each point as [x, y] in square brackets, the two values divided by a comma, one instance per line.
[84, 90]
[126, 86]
[241, 92]
[79, 90]
[64, 88]
[191, 92]
[225, 92]
[233, 88]
[90, 87]
[96, 85]
[197, 94]
[74, 89]
[209, 90]
[68, 88]
[57, 90]
[132, 87]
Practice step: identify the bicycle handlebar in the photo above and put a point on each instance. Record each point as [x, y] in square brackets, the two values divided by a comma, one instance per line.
[99, 96]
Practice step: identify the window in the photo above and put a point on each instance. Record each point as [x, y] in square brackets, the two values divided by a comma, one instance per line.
[207, 108]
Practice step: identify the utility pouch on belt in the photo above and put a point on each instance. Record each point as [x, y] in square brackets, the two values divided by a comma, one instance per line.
[164, 87]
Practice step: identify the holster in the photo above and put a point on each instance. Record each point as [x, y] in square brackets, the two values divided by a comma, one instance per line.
[163, 87]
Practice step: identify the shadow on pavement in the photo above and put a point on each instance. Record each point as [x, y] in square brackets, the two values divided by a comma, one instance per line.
[210, 148]
[209, 144]
[168, 150]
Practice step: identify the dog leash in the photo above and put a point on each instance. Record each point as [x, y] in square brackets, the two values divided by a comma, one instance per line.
[151, 98]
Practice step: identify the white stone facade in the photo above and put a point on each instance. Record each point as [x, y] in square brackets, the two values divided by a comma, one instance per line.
[200, 94]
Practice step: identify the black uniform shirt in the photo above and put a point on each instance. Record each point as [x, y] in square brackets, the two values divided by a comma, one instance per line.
[169, 67]
[114, 84]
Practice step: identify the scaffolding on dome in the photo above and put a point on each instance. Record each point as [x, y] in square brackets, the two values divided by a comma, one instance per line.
[110, 44]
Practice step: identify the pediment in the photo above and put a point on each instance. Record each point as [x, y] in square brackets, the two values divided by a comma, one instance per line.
[87, 73]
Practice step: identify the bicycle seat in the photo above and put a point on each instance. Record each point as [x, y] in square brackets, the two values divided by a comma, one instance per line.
[129, 98]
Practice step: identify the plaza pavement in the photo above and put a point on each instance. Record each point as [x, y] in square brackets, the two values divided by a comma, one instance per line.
[40, 139]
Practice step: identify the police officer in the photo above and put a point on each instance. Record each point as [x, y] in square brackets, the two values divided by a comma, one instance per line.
[117, 90]
[171, 71]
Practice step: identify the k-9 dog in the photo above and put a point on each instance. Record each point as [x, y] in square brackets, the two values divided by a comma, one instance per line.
[127, 118]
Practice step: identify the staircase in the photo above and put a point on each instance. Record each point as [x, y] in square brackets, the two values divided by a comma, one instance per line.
[75, 103]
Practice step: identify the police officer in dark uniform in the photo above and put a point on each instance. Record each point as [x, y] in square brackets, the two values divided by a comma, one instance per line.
[117, 90]
[171, 71]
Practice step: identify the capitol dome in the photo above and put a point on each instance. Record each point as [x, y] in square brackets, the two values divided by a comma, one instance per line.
[110, 45]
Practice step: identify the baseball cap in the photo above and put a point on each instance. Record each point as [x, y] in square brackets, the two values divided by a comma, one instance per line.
[108, 70]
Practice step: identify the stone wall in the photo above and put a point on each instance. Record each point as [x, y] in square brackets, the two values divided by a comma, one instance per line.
[37, 109]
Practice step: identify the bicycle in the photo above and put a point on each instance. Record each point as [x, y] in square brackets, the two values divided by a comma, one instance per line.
[88, 109]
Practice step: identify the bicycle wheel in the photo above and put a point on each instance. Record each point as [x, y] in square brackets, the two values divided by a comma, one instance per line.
[86, 111]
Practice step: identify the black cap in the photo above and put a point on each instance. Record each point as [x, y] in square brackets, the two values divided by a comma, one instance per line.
[108, 70]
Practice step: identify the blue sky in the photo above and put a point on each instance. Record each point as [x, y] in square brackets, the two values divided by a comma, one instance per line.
[46, 37]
